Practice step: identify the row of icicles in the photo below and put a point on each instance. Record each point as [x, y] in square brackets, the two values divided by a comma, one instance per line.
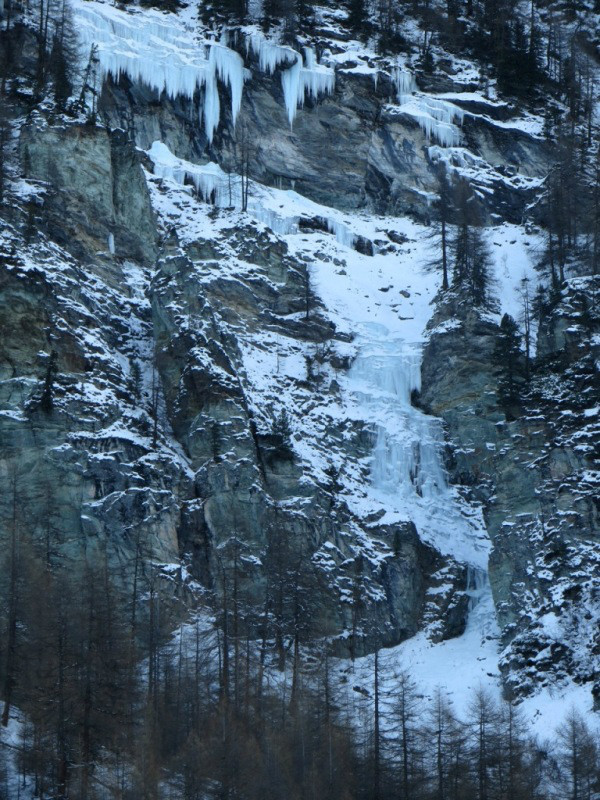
[161, 53]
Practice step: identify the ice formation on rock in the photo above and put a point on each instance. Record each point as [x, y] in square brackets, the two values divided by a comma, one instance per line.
[304, 77]
[407, 472]
[160, 51]
[270, 54]
[405, 83]
[438, 119]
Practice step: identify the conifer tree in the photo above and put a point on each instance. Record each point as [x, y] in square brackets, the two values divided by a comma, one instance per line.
[60, 74]
[443, 206]
[358, 18]
[472, 260]
[507, 357]
[4, 139]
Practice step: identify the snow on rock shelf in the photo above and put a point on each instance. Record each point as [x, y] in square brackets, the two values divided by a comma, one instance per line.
[280, 210]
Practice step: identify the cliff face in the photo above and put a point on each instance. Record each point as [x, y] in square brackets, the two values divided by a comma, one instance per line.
[353, 149]
[537, 478]
[151, 427]
[76, 345]
[140, 322]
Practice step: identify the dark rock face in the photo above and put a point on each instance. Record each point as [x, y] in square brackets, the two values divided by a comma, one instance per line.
[79, 465]
[150, 448]
[536, 477]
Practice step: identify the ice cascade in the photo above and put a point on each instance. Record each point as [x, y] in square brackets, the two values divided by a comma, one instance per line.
[405, 83]
[160, 51]
[438, 118]
[407, 474]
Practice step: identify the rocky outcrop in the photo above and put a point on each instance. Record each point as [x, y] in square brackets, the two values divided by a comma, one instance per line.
[75, 358]
[537, 476]
[98, 199]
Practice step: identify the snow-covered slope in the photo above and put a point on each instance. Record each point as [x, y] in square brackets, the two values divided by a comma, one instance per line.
[380, 306]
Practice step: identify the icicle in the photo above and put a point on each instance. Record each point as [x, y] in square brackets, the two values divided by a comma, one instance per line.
[305, 77]
[229, 67]
[160, 52]
[111, 244]
[405, 83]
[438, 119]
[343, 234]
[270, 55]
[290, 82]
[212, 107]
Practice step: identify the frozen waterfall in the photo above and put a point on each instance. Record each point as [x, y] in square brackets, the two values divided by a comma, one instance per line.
[163, 52]
[408, 479]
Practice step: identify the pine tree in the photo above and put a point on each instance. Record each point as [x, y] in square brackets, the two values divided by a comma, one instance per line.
[275, 12]
[64, 55]
[47, 398]
[472, 260]
[507, 357]
[235, 10]
[4, 139]
[481, 721]
[526, 318]
[406, 715]
[358, 18]
[59, 71]
[388, 18]
[443, 206]
[579, 758]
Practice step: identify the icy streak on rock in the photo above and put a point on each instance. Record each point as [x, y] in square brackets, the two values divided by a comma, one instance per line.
[438, 119]
[224, 190]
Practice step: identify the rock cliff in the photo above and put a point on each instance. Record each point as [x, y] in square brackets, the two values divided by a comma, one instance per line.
[177, 383]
